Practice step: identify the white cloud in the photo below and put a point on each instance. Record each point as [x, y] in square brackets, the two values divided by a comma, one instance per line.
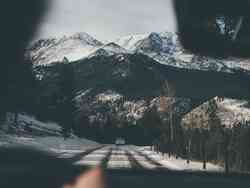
[107, 19]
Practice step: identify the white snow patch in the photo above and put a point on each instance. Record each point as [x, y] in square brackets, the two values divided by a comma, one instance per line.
[75, 47]
[95, 158]
[135, 110]
[233, 111]
[80, 95]
[179, 164]
[55, 144]
[33, 122]
[47, 143]
[108, 96]
[129, 42]
[185, 57]
[118, 160]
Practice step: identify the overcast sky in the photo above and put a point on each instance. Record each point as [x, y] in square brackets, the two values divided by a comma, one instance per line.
[107, 19]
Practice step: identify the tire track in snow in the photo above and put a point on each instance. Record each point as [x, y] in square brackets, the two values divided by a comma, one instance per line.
[79, 156]
[133, 161]
[105, 160]
[94, 158]
[156, 165]
[119, 159]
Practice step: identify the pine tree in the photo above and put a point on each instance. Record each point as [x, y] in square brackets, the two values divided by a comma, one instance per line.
[152, 125]
[190, 137]
[166, 103]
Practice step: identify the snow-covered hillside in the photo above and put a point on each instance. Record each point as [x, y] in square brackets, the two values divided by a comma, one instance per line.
[229, 111]
[165, 48]
[233, 111]
[75, 47]
[119, 106]
[45, 136]
[179, 164]
[29, 125]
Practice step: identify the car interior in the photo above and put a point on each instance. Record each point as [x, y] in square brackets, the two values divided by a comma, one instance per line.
[211, 32]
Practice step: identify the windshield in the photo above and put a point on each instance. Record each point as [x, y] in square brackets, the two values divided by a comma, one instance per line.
[116, 85]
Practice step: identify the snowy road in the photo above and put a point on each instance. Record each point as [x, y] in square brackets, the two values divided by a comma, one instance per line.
[135, 158]
[119, 157]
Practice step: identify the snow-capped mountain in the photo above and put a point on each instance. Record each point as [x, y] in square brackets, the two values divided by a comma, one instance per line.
[109, 50]
[158, 43]
[75, 47]
[164, 47]
[129, 42]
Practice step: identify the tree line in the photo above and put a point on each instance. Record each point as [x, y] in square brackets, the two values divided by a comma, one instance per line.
[203, 138]
[206, 139]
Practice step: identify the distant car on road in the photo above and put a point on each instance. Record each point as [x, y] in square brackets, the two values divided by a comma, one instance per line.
[120, 141]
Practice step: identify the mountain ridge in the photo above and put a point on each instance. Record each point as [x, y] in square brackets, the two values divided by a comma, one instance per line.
[163, 47]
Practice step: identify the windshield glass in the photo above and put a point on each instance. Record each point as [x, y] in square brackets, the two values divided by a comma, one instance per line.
[110, 84]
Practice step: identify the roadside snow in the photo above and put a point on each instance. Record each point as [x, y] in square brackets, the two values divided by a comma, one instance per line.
[52, 143]
[35, 123]
[179, 164]
[43, 136]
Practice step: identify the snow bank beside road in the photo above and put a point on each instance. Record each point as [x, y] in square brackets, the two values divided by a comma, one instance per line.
[43, 136]
[179, 164]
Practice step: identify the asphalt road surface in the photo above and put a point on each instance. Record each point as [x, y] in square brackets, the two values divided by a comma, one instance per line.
[124, 167]
[131, 166]
[119, 157]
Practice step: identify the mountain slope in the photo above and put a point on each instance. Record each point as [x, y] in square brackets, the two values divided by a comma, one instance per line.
[120, 86]
[129, 42]
[115, 94]
[130, 83]
[75, 47]
[164, 47]
[230, 112]
[109, 50]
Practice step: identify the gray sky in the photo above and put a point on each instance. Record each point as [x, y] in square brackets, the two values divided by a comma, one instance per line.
[107, 19]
